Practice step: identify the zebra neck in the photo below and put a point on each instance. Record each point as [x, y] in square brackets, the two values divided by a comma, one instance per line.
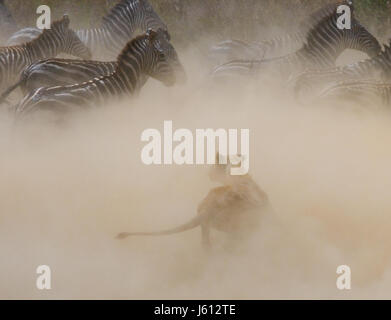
[129, 76]
[39, 49]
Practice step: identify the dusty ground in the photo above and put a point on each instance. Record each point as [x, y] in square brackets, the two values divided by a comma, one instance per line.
[67, 191]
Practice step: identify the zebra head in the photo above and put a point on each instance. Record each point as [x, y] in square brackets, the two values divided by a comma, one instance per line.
[151, 54]
[164, 62]
[68, 39]
[168, 67]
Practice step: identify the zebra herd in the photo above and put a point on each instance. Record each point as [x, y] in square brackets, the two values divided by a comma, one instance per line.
[310, 68]
[305, 60]
[61, 85]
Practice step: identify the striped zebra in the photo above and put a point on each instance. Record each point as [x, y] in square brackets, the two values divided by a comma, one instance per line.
[117, 28]
[311, 82]
[362, 93]
[230, 50]
[59, 38]
[63, 72]
[150, 53]
[324, 43]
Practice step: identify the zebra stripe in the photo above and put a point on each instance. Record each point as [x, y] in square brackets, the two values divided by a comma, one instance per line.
[117, 28]
[150, 53]
[362, 92]
[13, 60]
[63, 72]
[324, 43]
[311, 82]
[229, 50]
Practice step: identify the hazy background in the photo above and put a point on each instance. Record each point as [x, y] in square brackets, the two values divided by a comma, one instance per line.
[66, 191]
[189, 20]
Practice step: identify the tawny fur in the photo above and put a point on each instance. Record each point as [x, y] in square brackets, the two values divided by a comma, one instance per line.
[235, 208]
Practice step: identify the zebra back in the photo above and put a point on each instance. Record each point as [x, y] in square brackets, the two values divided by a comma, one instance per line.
[23, 36]
[324, 43]
[62, 72]
[117, 28]
[367, 93]
[312, 81]
[229, 50]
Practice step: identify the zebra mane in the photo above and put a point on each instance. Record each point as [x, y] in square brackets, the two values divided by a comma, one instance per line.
[323, 14]
[60, 24]
[130, 46]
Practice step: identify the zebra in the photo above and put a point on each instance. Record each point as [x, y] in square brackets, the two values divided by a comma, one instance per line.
[324, 43]
[59, 38]
[59, 72]
[117, 28]
[150, 53]
[62, 72]
[310, 82]
[230, 50]
[364, 93]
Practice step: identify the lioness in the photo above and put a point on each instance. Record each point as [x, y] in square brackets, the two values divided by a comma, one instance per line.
[235, 208]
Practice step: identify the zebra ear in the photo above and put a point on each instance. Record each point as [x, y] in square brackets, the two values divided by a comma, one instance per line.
[167, 35]
[65, 20]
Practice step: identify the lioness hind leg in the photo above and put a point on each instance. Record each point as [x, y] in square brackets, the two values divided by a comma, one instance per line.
[205, 233]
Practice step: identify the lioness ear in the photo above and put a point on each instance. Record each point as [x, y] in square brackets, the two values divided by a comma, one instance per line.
[220, 159]
[236, 159]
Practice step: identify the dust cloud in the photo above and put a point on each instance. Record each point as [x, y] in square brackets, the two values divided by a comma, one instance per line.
[67, 190]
